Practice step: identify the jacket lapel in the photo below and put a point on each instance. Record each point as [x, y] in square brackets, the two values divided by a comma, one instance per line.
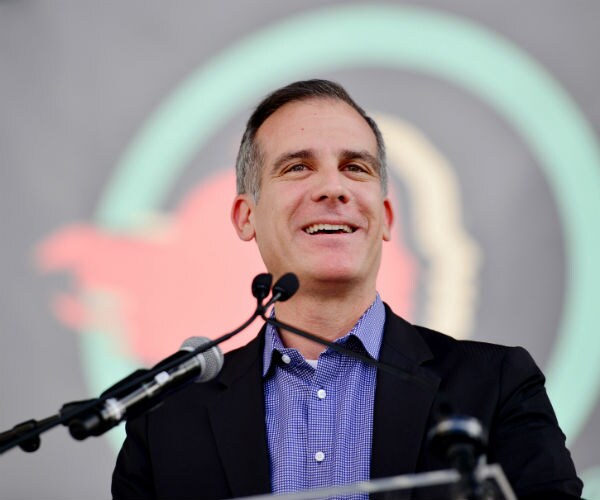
[402, 404]
[238, 422]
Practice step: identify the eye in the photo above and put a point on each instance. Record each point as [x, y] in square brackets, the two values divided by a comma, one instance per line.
[355, 167]
[298, 167]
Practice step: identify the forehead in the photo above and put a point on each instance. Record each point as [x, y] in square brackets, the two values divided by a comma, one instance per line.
[320, 124]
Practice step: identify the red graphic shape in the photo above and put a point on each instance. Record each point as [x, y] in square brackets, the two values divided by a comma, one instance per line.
[190, 278]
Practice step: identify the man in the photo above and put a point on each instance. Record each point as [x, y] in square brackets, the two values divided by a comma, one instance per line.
[285, 415]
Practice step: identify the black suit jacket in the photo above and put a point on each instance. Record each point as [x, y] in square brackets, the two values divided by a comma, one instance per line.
[209, 440]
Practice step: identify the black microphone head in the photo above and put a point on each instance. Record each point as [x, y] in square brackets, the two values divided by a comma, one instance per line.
[210, 361]
[454, 432]
[286, 286]
[261, 285]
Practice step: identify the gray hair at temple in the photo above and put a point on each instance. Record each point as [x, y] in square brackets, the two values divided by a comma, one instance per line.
[249, 160]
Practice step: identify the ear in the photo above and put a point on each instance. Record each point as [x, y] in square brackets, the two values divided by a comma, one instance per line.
[242, 216]
[388, 219]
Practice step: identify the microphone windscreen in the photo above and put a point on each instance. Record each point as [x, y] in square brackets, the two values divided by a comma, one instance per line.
[286, 286]
[193, 343]
[210, 361]
[261, 285]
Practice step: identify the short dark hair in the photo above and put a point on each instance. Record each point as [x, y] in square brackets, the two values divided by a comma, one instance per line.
[249, 159]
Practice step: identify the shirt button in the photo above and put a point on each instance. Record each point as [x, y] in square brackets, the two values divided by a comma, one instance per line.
[286, 359]
[319, 456]
[321, 394]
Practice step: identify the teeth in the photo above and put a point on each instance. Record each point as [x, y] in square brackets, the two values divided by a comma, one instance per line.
[328, 227]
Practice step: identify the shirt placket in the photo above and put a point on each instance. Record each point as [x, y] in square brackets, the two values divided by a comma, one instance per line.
[321, 423]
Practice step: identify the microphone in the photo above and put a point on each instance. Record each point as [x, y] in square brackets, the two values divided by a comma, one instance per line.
[209, 362]
[461, 440]
[199, 368]
[124, 385]
[261, 286]
[283, 289]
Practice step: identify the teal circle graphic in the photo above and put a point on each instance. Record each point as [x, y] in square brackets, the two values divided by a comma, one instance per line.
[404, 38]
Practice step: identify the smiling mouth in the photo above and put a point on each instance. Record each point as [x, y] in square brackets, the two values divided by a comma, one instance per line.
[329, 229]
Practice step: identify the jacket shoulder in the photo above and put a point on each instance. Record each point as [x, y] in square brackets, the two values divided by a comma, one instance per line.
[445, 347]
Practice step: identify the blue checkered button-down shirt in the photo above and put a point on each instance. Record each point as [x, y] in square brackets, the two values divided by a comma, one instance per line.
[320, 421]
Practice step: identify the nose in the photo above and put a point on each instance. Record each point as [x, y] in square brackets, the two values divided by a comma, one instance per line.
[331, 186]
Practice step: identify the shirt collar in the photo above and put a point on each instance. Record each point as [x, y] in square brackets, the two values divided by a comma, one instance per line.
[368, 330]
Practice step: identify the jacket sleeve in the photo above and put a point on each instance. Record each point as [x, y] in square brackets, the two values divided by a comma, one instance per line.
[132, 476]
[526, 438]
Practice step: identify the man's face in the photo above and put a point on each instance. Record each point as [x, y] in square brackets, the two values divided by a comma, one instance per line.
[321, 212]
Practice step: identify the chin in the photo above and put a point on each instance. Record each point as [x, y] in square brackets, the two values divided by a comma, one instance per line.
[328, 274]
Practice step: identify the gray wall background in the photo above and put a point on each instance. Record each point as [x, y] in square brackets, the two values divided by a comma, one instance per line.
[77, 80]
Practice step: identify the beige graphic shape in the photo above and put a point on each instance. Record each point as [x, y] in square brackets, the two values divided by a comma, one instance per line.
[453, 256]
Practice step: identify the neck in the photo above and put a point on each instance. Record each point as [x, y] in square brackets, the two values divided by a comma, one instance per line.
[327, 315]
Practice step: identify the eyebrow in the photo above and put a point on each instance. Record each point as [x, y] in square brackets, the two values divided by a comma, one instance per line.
[367, 157]
[309, 154]
[305, 154]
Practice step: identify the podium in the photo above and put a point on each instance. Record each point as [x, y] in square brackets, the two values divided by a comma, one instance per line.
[441, 484]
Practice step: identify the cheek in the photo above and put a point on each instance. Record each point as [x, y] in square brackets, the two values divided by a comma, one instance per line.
[289, 203]
[268, 223]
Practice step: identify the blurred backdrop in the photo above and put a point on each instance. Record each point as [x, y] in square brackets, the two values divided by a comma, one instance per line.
[118, 133]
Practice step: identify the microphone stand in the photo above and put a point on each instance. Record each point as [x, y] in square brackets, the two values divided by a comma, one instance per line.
[75, 415]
